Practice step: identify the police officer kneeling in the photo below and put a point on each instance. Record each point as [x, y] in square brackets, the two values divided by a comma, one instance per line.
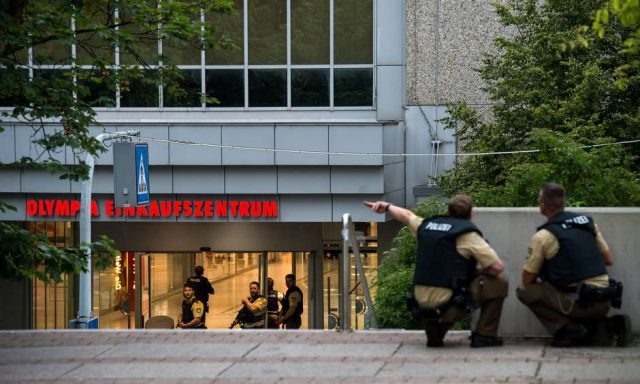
[192, 310]
[565, 281]
[447, 283]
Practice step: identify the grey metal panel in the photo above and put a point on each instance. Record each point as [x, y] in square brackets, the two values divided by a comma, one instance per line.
[306, 208]
[25, 146]
[7, 144]
[397, 198]
[9, 180]
[303, 180]
[394, 177]
[422, 127]
[309, 138]
[257, 136]
[250, 180]
[390, 92]
[390, 27]
[198, 180]
[357, 180]
[102, 181]
[257, 199]
[41, 181]
[355, 139]
[182, 154]
[158, 151]
[393, 141]
[20, 214]
[160, 180]
[353, 205]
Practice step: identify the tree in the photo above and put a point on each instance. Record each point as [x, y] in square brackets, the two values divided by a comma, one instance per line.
[557, 96]
[44, 81]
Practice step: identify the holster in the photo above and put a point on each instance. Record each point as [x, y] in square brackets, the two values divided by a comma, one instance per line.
[588, 293]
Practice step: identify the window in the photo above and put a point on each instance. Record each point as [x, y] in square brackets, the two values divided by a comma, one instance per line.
[277, 54]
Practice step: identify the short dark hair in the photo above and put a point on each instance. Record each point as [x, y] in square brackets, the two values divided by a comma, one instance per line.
[199, 270]
[460, 206]
[256, 283]
[187, 285]
[552, 195]
[290, 276]
[270, 282]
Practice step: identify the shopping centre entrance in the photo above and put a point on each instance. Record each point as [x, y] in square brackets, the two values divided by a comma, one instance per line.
[161, 277]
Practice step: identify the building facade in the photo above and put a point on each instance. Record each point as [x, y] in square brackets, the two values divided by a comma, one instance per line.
[309, 119]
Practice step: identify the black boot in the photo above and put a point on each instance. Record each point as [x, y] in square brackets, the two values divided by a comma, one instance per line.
[620, 326]
[569, 336]
[481, 341]
[435, 335]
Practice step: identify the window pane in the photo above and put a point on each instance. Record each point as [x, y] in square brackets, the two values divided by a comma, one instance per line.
[267, 31]
[310, 32]
[184, 92]
[230, 35]
[353, 37]
[310, 88]
[52, 52]
[138, 46]
[268, 88]
[97, 87]
[353, 87]
[91, 48]
[179, 52]
[10, 95]
[227, 86]
[141, 91]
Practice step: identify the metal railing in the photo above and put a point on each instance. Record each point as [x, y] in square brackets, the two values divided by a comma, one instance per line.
[349, 240]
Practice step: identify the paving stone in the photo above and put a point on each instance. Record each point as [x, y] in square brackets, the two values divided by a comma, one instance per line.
[325, 350]
[17, 372]
[179, 350]
[591, 371]
[146, 370]
[303, 370]
[59, 352]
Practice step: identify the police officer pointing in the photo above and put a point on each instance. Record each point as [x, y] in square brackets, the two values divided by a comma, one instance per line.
[447, 281]
[565, 281]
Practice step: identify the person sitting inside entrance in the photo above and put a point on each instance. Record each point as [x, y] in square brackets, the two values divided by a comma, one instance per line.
[192, 310]
[254, 309]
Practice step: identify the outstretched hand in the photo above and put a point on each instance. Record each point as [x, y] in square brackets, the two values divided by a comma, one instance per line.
[377, 206]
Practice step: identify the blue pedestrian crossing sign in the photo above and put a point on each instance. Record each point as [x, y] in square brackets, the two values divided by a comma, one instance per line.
[142, 174]
[131, 180]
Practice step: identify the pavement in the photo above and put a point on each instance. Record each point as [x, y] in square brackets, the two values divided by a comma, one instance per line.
[277, 356]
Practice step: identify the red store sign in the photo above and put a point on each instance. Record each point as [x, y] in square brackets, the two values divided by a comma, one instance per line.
[162, 208]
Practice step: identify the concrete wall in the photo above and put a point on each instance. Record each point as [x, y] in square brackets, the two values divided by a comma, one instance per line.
[509, 230]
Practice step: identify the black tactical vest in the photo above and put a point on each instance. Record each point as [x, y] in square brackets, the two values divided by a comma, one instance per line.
[272, 301]
[579, 257]
[285, 300]
[201, 290]
[438, 263]
[187, 314]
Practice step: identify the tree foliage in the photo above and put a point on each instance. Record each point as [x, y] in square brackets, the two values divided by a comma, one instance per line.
[54, 90]
[555, 95]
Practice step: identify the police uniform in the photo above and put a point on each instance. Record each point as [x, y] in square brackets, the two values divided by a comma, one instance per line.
[436, 277]
[273, 308]
[191, 309]
[202, 288]
[293, 296]
[565, 251]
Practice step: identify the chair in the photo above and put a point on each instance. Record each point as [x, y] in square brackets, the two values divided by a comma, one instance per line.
[159, 322]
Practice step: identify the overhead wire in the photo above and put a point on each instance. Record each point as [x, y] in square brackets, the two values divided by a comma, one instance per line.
[343, 153]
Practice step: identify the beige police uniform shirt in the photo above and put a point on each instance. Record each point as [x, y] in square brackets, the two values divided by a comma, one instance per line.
[469, 245]
[545, 246]
[261, 303]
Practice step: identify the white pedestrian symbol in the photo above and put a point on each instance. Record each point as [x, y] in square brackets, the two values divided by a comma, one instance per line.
[142, 178]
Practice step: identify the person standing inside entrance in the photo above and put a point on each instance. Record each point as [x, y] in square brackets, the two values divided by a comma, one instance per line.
[447, 281]
[291, 304]
[202, 288]
[273, 305]
[192, 310]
